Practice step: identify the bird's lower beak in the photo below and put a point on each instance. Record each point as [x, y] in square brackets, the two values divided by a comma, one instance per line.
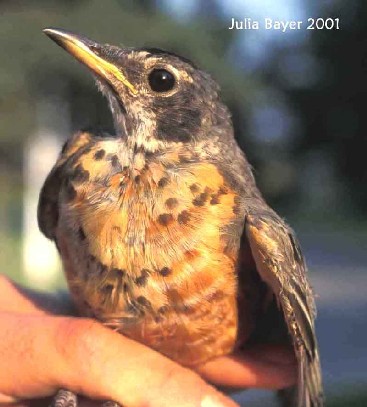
[84, 50]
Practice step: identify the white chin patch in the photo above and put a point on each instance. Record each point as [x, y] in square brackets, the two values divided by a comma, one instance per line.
[118, 111]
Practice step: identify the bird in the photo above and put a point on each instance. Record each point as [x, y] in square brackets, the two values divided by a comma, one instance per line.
[163, 233]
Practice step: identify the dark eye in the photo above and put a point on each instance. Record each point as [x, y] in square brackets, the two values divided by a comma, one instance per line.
[161, 80]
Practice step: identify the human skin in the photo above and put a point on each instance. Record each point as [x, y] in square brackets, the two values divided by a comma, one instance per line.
[44, 348]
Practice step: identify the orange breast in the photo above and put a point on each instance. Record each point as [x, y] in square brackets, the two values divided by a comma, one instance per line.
[154, 261]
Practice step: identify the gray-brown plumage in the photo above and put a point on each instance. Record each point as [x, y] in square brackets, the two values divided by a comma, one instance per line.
[163, 233]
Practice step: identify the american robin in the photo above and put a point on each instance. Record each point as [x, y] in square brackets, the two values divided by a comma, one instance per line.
[162, 231]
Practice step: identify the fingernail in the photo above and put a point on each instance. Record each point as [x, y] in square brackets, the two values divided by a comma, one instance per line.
[210, 401]
[4, 399]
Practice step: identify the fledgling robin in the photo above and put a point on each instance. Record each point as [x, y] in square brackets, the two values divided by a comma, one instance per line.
[162, 231]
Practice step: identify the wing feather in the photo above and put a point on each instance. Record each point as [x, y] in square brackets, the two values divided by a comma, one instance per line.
[280, 263]
[48, 204]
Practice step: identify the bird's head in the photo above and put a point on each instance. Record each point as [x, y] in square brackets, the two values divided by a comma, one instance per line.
[156, 97]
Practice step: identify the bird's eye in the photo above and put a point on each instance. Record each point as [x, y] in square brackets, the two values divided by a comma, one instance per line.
[161, 80]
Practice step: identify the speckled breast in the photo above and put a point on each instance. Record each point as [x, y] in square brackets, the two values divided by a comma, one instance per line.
[147, 242]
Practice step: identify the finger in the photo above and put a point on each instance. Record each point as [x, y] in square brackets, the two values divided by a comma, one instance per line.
[15, 298]
[43, 353]
[265, 366]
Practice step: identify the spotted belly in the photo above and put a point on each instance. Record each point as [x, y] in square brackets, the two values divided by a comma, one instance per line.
[152, 252]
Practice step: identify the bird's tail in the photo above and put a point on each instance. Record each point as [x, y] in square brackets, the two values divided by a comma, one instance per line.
[309, 391]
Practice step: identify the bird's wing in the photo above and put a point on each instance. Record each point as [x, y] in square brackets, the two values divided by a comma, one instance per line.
[48, 204]
[281, 266]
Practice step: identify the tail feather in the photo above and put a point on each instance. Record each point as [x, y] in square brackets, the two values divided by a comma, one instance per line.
[310, 392]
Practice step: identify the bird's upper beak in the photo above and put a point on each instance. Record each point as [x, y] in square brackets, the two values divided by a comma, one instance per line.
[84, 50]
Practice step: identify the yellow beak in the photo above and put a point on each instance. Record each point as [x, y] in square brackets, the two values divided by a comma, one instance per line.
[81, 48]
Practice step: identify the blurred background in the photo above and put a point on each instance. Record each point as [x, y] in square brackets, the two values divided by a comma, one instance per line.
[297, 102]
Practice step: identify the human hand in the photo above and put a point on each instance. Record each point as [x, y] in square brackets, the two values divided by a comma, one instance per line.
[42, 351]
